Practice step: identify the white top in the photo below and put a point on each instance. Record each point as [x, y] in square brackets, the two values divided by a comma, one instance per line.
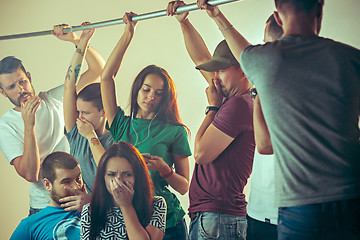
[49, 134]
[261, 204]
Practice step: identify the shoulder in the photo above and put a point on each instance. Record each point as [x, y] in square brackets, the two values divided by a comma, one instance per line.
[159, 203]
[237, 104]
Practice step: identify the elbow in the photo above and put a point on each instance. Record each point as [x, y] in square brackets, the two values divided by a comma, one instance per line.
[265, 150]
[184, 189]
[31, 177]
[200, 158]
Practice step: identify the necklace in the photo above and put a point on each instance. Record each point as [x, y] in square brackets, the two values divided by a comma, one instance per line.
[136, 134]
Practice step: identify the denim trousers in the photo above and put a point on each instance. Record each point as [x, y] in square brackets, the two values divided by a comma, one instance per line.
[338, 220]
[179, 232]
[258, 230]
[211, 225]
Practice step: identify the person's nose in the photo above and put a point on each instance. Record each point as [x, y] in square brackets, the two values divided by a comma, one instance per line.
[151, 95]
[20, 88]
[81, 115]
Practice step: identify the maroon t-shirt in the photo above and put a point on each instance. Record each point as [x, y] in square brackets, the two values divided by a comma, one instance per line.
[218, 186]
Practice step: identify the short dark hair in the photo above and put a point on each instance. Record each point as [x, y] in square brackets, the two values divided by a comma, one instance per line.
[274, 30]
[57, 160]
[9, 65]
[92, 93]
[299, 5]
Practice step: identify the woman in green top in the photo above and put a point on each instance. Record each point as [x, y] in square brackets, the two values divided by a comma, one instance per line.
[154, 127]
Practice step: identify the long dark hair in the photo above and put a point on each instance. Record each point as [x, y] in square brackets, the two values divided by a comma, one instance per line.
[168, 110]
[101, 200]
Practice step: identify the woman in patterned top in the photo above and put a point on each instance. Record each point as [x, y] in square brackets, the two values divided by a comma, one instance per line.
[122, 204]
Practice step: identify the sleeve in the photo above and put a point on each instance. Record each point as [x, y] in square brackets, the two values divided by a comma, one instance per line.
[158, 218]
[246, 63]
[21, 232]
[85, 222]
[181, 143]
[11, 143]
[57, 92]
[235, 116]
[74, 142]
[117, 128]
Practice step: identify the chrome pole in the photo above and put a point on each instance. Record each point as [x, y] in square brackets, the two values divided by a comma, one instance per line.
[145, 16]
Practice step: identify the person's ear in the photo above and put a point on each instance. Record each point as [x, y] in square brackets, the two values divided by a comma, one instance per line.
[28, 75]
[277, 18]
[103, 113]
[47, 184]
[3, 92]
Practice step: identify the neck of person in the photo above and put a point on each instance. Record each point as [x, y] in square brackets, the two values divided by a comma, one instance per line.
[53, 204]
[145, 115]
[101, 130]
[300, 25]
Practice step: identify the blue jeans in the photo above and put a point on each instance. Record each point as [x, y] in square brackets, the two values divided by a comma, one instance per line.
[179, 232]
[211, 225]
[33, 211]
[258, 230]
[324, 221]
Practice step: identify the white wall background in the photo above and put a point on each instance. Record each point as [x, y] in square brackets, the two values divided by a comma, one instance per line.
[157, 41]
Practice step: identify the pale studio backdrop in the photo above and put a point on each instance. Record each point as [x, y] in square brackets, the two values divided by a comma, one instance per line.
[156, 41]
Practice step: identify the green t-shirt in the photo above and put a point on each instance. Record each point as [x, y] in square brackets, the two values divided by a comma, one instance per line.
[161, 139]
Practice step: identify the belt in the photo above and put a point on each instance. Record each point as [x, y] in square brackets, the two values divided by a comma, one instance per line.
[193, 215]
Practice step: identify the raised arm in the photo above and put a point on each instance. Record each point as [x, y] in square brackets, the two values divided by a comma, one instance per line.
[194, 43]
[108, 90]
[93, 59]
[210, 142]
[237, 43]
[261, 132]
[72, 75]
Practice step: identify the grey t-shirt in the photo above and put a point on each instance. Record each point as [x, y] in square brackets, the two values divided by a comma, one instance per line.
[80, 149]
[309, 88]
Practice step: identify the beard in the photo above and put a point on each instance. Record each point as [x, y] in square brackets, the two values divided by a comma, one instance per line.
[55, 196]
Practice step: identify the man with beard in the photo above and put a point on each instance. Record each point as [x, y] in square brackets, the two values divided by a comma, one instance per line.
[224, 143]
[26, 143]
[62, 178]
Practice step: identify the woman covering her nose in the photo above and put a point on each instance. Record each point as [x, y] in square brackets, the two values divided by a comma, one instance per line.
[153, 126]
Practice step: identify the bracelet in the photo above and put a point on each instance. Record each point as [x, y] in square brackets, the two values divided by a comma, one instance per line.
[225, 29]
[168, 175]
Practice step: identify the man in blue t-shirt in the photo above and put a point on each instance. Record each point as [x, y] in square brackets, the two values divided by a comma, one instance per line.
[62, 178]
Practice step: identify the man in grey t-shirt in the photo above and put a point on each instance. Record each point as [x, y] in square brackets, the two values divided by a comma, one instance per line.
[309, 89]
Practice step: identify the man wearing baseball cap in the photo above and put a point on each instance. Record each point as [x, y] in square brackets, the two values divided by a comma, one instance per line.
[224, 143]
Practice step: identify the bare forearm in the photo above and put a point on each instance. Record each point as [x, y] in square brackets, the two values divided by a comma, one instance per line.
[237, 43]
[178, 182]
[261, 132]
[133, 227]
[28, 165]
[113, 63]
[72, 75]
[196, 47]
[96, 147]
[200, 148]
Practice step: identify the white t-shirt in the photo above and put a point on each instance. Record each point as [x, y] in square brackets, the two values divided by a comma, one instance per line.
[261, 204]
[50, 137]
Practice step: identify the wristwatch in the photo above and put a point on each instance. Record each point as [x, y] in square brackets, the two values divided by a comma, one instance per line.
[211, 108]
[253, 93]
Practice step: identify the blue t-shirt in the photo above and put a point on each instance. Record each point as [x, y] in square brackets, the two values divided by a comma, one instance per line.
[49, 223]
[80, 149]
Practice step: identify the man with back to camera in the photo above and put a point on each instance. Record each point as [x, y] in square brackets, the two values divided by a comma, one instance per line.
[310, 96]
[26, 143]
[224, 143]
[61, 178]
